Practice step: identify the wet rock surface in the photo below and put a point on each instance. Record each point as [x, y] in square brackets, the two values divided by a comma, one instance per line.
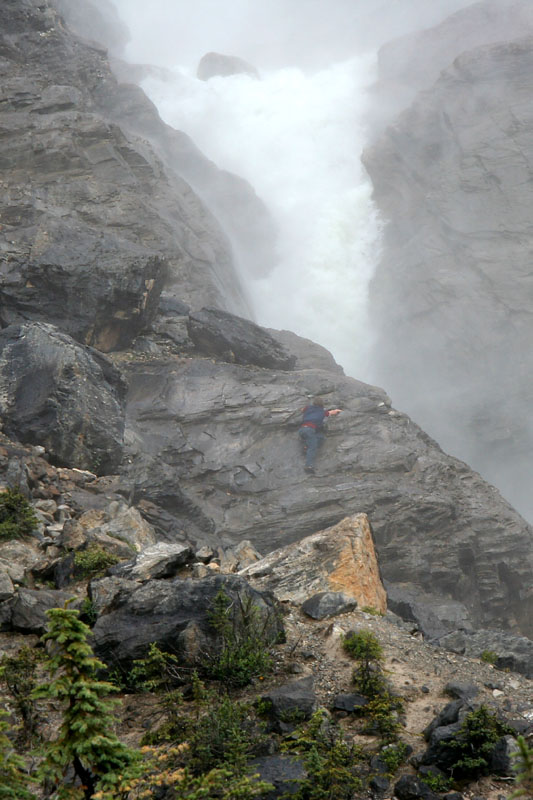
[101, 240]
[215, 446]
[236, 340]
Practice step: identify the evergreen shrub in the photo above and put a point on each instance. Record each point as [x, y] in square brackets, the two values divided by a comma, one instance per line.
[17, 518]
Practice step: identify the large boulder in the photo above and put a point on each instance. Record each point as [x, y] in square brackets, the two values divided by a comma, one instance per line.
[17, 558]
[213, 64]
[29, 607]
[332, 566]
[160, 560]
[175, 615]
[59, 394]
[434, 617]
[509, 652]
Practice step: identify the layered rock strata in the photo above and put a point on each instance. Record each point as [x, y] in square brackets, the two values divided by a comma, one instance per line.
[213, 447]
[99, 242]
[93, 228]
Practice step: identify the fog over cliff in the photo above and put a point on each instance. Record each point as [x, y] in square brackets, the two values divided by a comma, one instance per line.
[297, 136]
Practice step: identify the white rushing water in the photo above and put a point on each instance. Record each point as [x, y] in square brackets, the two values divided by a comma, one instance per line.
[296, 135]
[297, 138]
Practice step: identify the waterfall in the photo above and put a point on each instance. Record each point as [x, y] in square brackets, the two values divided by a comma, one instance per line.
[296, 135]
[297, 138]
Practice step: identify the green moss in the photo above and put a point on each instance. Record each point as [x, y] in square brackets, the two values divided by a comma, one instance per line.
[93, 561]
[489, 656]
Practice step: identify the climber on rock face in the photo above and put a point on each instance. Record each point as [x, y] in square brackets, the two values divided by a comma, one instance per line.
[311, 430]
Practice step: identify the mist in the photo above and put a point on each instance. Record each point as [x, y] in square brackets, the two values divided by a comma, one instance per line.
[296, 136]
[271, 33]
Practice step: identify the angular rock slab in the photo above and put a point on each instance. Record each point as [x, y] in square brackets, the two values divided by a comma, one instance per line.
[512, 652]
[18, 556]
[119, 521]
[292, 702]
[59, 394]
[160, 560]
[30, 606]
[7, 590]
[338, 559]
[237, 340]
[328, 604]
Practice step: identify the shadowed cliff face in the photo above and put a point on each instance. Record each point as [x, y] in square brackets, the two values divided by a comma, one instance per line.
[453, 295]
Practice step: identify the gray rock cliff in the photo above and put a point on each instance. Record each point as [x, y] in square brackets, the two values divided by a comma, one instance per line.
[215, 446]
[92, 226]
[452, 296]
[100, 241]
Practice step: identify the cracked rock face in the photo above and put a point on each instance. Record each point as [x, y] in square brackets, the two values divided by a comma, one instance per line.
[95, 231]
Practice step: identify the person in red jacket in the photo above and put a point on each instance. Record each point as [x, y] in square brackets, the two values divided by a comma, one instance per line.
[311, 430]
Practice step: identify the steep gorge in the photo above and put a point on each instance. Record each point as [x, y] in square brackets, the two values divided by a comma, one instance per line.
[105, 246]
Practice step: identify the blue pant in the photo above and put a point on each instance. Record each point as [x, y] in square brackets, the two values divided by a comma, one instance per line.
[312, 440]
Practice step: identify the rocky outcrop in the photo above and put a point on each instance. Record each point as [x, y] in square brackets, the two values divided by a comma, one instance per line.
[237, 340]
[76, 251]
[341, 559]
[452, 295]
[102, 242]
[61, 395]
[231, 199]
[96, 20]
[415, 61]
[214, 447]
[506, 651]
[213, 64]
